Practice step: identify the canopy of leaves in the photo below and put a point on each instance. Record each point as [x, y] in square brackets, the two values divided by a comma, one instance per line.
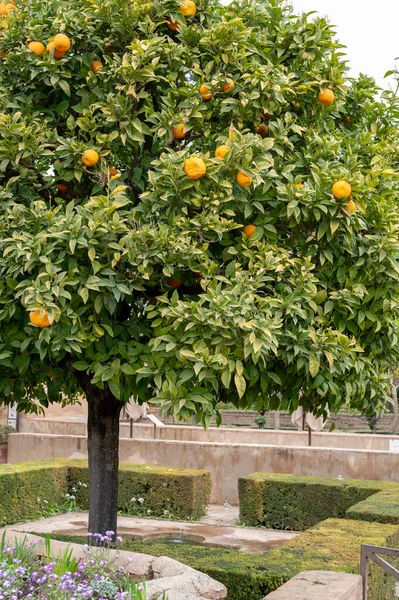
[303, 311]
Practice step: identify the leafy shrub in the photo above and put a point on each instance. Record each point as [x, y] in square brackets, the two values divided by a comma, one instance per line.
[5, 431]
[296, 502]
[185, 493]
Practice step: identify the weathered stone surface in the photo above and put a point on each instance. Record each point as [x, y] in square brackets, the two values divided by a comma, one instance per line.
[196, 584]
[163, 566]
[317, 585]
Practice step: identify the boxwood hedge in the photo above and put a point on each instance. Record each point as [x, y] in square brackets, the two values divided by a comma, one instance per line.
[296, 502]
[184, 493]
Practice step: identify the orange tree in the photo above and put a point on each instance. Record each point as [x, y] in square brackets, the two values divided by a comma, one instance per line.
[195, 207]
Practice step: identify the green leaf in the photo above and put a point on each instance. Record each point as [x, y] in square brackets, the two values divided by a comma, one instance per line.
[240, 384]
[115, 389]
[81, 365]
[314, 365]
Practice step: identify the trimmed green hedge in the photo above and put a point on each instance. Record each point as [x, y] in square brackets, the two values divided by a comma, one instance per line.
[297, 502]
[182, 492]
[333, 545]
[24, 485]
[382, 507]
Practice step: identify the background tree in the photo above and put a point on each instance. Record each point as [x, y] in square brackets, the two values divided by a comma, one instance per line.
[135, 262]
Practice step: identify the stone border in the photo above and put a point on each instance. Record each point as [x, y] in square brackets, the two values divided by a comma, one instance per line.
[163, 574]
[317, 585]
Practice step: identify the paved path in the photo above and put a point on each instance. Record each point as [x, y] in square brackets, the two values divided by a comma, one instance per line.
[217, 528]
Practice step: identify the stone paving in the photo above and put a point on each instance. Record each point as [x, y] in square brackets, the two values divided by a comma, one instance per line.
[217, 528]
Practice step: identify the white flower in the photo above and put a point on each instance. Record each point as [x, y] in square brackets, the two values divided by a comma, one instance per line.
[141, 500]
[38, 499]
[148, 512]
[45, 501]
[133, 500]
[340, 478]
[165, 512]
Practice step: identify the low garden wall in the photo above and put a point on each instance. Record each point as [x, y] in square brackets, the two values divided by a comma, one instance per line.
[25, 486]
[225, 461]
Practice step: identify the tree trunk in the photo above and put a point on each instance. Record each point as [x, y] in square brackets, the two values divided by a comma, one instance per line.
[103, 450]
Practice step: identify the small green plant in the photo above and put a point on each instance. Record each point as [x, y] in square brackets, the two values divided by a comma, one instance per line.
[260, 421]
[104, 588]
[5, 431]
[65, 563]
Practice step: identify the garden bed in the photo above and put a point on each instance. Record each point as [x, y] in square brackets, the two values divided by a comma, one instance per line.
[333, 545]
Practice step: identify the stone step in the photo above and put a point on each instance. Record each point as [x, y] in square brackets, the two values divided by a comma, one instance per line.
[317, 585]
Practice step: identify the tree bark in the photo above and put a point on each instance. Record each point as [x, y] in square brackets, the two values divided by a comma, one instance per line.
[103, 450]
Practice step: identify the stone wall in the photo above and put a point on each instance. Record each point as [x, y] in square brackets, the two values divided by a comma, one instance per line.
[226, 461]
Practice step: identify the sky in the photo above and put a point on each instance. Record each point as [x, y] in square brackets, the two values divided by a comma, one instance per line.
[369, 29]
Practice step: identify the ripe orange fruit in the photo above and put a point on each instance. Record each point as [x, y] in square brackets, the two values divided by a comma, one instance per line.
[90, 158]
[9, 7]
[341, 189]
[3, 10]
[228, 86]
[179, 132]
[173, 25]
[299, 186]
[351, 206]
[37, 47]
[327, 97]
[262, 130]
[249, 230]
[221, 151]
[175, 283]
[39, 318]
[243, 180]
[205, 92]
[265, 117]
[194, 167]
[62, 187]
[62, 42]
[56, 53]
[112, 171]
[188, 8]
[96, 66]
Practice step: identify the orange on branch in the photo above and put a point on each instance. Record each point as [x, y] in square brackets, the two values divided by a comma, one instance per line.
[327, 97]
[249, 230]
[112, 171]
[173, 25]
[221, 151]
[96, 66]
[262, 130]
[351, 207]
[188, 8]
[194, 167]
[341, 189]
[90, 158]
[205, 92]
[37, 48]
[40, 318]
[62, 187]
[56, 53]
[299, 186]
[243, 180]
[228, 86]
[179, 132]
[62, 43]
